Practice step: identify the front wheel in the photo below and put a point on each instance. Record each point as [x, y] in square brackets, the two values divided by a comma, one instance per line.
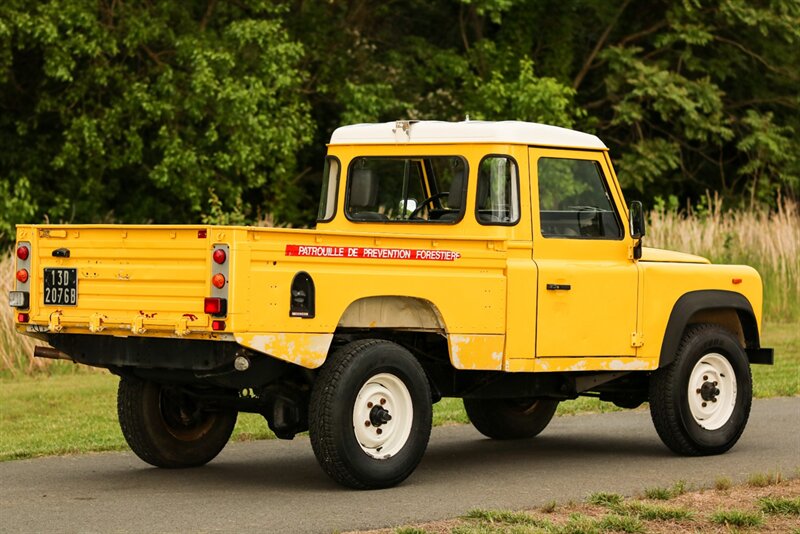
[701, 401]
[510, 418]
[370, 414]
[167, 428]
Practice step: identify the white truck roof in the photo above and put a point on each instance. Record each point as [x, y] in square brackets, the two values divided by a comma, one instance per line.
[427, 132]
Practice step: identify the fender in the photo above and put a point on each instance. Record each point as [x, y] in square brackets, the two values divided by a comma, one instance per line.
[696, 301]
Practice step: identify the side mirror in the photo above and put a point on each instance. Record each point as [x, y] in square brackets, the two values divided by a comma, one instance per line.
[636, 213]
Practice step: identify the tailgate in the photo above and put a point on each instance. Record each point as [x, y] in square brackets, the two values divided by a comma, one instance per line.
[119, 279]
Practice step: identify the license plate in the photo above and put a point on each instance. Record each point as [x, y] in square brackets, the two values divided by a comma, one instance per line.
[60, 287]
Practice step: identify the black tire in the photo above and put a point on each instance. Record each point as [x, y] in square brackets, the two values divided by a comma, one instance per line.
[510, 418]
[363, 368]
[168, 429]
[711, 417]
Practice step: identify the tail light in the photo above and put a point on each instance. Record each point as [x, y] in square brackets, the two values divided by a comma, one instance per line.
[20, 297]
[215, 306]
[218, 280]
[23, 317]
[23, 252]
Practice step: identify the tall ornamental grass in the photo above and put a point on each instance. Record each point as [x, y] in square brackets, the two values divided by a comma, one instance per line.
[766, 240]
[16, 351]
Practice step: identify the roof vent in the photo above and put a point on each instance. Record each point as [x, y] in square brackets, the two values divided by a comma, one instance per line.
[402, 130]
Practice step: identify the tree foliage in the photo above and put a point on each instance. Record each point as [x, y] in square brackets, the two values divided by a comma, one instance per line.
[171, 111]
[137, 111]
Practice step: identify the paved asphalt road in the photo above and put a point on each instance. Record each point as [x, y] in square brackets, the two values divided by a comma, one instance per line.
[276, 486]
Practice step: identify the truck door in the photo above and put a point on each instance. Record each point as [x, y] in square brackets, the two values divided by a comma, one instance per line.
[587, 283]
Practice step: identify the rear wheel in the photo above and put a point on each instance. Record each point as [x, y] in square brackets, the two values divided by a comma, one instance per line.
[510, 418]
[370, 414]
[701, 401]
[167, 428]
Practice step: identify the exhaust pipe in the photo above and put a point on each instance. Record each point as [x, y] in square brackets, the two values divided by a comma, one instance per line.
[53, 354]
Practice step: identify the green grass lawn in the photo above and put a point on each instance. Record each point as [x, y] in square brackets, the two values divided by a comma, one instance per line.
[73, 411]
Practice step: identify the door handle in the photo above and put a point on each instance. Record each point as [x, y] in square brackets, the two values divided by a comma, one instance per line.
[558, 287]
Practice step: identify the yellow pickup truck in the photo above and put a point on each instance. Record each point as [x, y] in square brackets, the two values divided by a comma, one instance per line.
[492, 261]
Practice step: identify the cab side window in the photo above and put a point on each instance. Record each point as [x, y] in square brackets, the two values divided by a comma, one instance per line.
[574, 201]
[330, 184]
[497, 200]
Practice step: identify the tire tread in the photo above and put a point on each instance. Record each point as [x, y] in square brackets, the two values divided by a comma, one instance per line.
[323, 404]
[132, 423]
[142, 438]
[320, 416]
[667, 380]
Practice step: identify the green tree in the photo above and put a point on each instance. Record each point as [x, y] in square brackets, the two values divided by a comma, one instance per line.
[173, 110]
[690, 96]
[136, 111]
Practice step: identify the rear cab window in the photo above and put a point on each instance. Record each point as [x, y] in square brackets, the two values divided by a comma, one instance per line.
[423, 189]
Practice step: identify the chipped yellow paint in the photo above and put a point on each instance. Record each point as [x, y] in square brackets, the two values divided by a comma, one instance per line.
[305, 350]
[182, 328]
[54, 324]
[554, 365]
[593, 364]
[518, 365]
[476, 351]
[137, 325]
[96, 322]
[627, 364]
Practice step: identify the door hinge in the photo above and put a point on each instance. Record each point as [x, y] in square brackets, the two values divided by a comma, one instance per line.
[637, 339]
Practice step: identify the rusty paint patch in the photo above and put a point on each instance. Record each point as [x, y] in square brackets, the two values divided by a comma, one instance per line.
[477, 351]
[305, 350]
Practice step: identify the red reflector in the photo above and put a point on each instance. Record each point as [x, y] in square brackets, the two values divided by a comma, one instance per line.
[212, 305]
[23, 317]
[22, 275]
[219, 256]
[202, 234]
[217, 325]
[736, 281]
[23, 252]
[218, 280]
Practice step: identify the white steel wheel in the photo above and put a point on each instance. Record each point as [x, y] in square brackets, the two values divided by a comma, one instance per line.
[712, 391]
[382, 416]
[370, 414]
[700, 402]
